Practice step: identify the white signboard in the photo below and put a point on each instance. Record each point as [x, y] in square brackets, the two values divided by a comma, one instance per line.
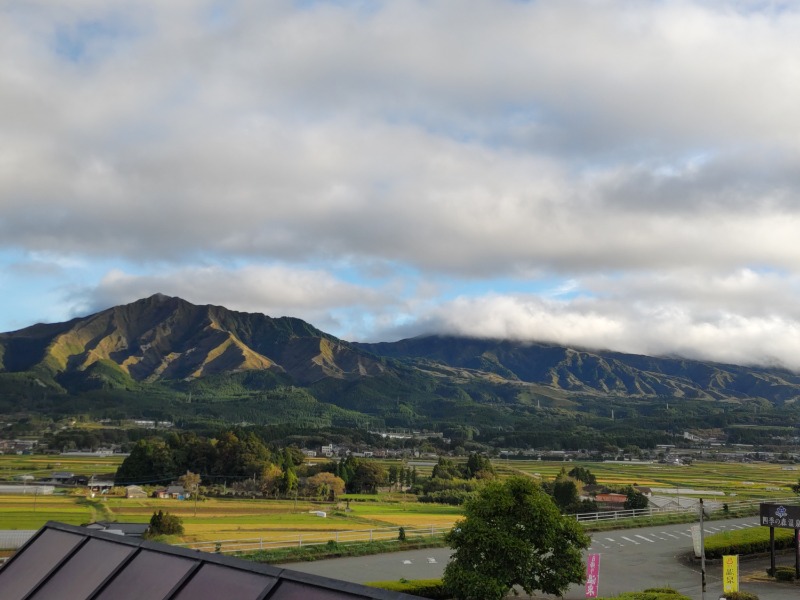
[696, 542]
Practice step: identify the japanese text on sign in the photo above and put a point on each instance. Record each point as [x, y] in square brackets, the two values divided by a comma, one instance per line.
[779, 515]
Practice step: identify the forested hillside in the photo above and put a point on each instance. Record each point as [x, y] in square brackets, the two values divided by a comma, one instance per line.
[163, 357]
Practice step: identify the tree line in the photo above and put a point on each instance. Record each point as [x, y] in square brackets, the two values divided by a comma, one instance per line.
[242, 463]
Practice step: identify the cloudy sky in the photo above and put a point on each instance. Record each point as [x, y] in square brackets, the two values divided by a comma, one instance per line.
[615, 174]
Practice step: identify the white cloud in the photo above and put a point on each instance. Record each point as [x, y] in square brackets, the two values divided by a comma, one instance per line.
[706, 317]
[273, 290]
[647, 151]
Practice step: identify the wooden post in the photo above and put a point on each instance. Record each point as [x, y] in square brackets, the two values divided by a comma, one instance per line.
[797, 553]
[702, 554]
[772, 551]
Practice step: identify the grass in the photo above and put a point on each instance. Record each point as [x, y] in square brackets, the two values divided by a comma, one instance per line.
[741, 480]
[31, 512]
[14, 465]
[334, 550]
[280, 520]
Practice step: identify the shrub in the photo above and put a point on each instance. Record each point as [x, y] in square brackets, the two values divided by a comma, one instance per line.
[784, 573]
[162, 523]
[746, 541]
[424, 588]
[452, 497]
[650, 594]
[741, 596]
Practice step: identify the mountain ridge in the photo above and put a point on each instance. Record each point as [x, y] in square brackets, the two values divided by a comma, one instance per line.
[167, 339]
[597, 371]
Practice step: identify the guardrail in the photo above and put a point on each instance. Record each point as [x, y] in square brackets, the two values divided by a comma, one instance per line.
[711, 506]
[316, 538]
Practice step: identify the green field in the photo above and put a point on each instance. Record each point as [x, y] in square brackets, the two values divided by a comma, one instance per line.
[13, 465]
[742, 480]
[274, 520]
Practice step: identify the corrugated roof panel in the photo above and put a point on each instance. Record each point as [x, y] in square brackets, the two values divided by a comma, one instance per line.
[75, 563]
[27, 570]
[293, 590]
[150, 575]
[95, 561]
[212, 582]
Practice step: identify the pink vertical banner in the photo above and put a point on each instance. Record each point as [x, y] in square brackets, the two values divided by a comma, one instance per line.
[592, 575]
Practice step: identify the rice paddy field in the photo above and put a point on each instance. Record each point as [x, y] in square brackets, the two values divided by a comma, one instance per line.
[13, 466]
[280, 520]
[740, 480]
[31, 512]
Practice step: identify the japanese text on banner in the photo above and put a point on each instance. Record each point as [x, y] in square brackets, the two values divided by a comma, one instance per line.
[592, 575]
[730, 573]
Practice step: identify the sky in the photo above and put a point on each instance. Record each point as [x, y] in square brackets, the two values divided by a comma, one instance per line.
[610, 174]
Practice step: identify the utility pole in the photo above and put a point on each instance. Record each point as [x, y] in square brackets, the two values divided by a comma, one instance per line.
[702, 554]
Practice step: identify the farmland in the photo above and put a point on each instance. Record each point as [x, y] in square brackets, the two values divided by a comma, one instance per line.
[275, 520]
[742, 480]
[13, 466]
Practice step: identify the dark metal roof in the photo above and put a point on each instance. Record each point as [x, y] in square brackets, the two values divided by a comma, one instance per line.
[126, 528]
[75, 563]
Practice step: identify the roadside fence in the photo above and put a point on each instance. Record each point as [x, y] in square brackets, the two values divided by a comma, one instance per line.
[318, 538]
[711, 506]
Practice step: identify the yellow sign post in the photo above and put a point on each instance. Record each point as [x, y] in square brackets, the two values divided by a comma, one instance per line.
[730, 573]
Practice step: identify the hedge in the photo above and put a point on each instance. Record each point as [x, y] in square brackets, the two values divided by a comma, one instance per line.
[740, 596]
[650, 594]
[784, 573]
[746, 541]
[425, 588]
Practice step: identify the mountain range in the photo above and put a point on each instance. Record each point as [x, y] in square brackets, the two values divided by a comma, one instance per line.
[169, 345]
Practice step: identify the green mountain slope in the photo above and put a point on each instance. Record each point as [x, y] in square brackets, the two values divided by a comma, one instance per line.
[168, 339]
[171, 359]
[595, 372]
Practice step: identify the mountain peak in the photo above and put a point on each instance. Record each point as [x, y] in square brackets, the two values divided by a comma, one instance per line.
[167, 338]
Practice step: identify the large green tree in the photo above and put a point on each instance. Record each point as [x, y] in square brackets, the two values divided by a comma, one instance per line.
[150, 461]
[635, 499]
[513, 534]
[583, 474]
[368, 475]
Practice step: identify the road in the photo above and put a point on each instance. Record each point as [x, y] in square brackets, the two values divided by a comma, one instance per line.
[631, 559]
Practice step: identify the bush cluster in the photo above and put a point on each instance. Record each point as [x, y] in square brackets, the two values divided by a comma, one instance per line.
[741, 596]
[162, 523]
[746, 541]
[424, 588]
[650, 594]
[453, 497]
[784, 573]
